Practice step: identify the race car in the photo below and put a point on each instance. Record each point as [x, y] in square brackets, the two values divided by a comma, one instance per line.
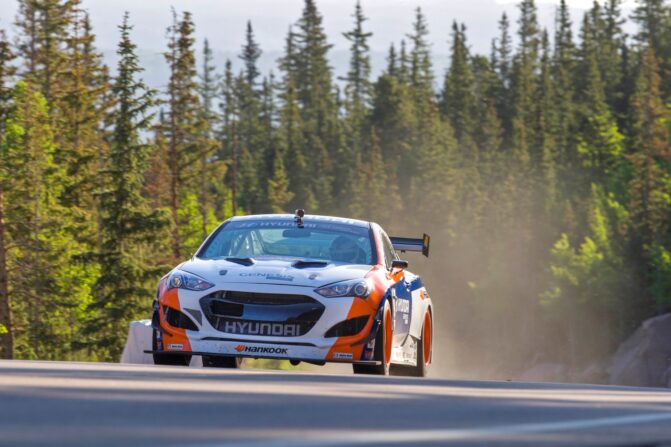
[304, 288]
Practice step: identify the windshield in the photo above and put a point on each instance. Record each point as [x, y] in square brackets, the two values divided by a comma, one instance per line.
[268, 238]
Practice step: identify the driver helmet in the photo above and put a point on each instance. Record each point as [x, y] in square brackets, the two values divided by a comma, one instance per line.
[344, 249]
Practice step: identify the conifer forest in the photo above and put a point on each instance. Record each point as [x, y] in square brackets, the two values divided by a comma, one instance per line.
[541, 170]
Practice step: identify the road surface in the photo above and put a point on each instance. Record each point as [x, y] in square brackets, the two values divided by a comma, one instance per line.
[87, 404]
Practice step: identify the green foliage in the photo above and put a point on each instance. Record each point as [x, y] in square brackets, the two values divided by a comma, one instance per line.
[42, 249]
[541, 171]
[587, 280]
[129, 229]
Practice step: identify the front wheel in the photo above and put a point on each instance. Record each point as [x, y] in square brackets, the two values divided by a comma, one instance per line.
[382, 352]
[167, 359]
[212, 361]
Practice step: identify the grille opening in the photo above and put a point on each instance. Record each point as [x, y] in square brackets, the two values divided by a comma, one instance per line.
[347, 327]
[177, 319]
[267, 299]
[224, 308]
[264, 314]
[307, 317]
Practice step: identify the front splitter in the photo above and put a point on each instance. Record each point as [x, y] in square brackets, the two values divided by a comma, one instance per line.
[252, 356]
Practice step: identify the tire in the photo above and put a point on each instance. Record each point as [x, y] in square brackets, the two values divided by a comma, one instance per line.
[424, 349]
[383, 342]
[213, 361]
[167, 359]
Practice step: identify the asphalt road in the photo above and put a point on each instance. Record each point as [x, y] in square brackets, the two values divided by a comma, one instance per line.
[87, 404]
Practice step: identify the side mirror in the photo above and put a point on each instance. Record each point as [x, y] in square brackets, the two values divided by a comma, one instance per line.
[398, 265]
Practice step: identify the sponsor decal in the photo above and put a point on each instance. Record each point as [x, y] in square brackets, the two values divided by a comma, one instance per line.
[403, 306]
[279, 278]
[259, 328]
[342, 355]
[261, 350]
[268, 276]
[176, 347]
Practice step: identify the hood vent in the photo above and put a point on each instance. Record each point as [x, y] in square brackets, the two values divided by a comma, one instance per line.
[242, 261]
[309, 264]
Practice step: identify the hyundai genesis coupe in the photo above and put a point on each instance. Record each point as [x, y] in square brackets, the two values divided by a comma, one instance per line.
[299, 287]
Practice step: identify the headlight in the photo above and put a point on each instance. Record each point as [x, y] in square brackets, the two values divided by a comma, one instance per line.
[184, 280]
[357, 287]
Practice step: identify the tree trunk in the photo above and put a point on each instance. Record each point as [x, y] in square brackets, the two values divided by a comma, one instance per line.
[6, 337]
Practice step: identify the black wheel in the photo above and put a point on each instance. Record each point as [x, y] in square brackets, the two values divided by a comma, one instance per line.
[167, 359]
[382, 353]
[212, 361]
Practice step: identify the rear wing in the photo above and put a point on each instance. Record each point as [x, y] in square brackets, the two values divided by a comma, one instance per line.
[404, 244]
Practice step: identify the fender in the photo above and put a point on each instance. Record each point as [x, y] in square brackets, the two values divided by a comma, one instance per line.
[368, 349]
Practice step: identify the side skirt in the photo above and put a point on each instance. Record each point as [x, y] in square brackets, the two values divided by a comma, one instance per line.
[406, 354]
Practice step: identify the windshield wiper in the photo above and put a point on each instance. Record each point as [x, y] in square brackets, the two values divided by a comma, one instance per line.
[307, 264]
[242, 261]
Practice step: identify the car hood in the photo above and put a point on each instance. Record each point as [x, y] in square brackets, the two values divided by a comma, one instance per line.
[220, 272]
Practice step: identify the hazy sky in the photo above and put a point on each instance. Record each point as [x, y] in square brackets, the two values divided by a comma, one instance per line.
[223, 23]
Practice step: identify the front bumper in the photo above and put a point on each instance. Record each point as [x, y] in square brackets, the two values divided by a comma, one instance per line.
[312, 347]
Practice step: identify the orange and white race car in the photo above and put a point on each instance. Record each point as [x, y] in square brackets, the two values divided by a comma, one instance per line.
[298, 287]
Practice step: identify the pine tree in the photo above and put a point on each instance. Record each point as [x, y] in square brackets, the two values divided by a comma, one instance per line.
[650, 142]
[393, 116]
[358, 88]
[403, 65]
[489, 135]
[251, 52]
[653, 18]
[459, 102]
[41, 252]
[43, 32]
[523, 86]
[208, 85]
[279, 194]
[502, 64]
[315, 93]
[547, 130]
[611, 59]
[229, 133]
[563, 69]
[57, 47]
[460, 107]
[392, 62]
[291, 133]
[599, 141]
[268, 138]
[421, 69]
[81, 110]
[157, 178]
[251, 143]
[130, 230]
[357, 108]
[6, 329]
[184, 130]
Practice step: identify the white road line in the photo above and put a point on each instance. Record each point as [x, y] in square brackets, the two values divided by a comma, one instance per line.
[344, 438]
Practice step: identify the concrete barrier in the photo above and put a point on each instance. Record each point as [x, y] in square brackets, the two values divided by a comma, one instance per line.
[139, 340]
